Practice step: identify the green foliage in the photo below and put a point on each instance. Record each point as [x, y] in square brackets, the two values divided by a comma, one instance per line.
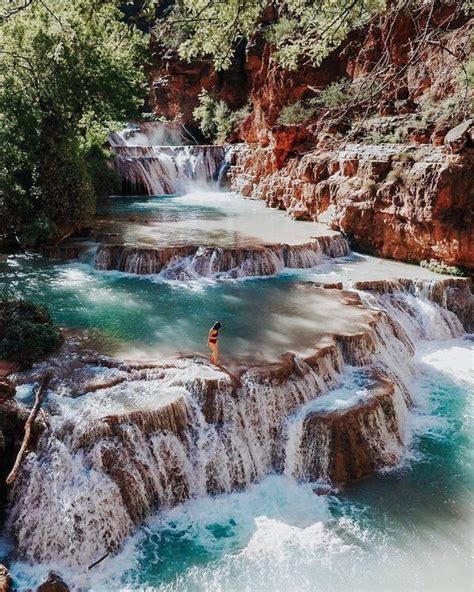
[470, 72]
[313, 29]
[398, 136]
[201, 27]
[216, 120]
[27, 332]
[333, 96]
[299, 112]
[102, 173]
[67, 71]
[449, 111]
[440, 267]
[304, 30]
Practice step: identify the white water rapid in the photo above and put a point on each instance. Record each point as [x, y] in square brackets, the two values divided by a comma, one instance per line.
[161, 435]
[150, 166]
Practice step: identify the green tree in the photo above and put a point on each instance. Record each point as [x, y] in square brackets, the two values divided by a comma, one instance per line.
[300, 29]
[216, 119]
[68, 70]
[27, 332]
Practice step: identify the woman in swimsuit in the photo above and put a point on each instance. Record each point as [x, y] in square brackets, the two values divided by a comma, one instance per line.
[212, 342]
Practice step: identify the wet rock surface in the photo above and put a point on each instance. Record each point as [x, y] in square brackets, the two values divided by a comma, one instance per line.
[397, 202]
[160, 433]
[53, 583]
[5, 580]
[355, 448]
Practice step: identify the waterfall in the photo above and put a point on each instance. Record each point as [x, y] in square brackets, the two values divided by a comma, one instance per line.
[166, 170]
[190, 262]
[413, 310]
[185, 429]
[229, 159]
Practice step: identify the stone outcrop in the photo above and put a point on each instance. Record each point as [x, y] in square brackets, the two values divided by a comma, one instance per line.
[354, 448]
[460, 136]
[405, 203]
[175, 84]
[53, 583]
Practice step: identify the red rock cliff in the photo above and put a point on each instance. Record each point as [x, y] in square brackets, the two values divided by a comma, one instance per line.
[387, 173]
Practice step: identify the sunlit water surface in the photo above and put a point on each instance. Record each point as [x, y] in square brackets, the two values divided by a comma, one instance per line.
[203, 218]
[406, 529]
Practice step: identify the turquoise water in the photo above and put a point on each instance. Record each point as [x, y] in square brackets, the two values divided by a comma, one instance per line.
[202, 218]
[141, 316]
[406, 529]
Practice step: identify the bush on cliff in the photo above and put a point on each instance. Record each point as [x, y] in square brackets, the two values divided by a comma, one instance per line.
[27, 332]
[333, 96]
[299, 112]
[216, 120]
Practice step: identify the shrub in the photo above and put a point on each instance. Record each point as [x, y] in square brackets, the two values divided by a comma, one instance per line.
[440, 267]
[103, 175]
[447, 112]
[216, 119]
[27, 332]
[299, 112]
[469, 65]
[334, 95]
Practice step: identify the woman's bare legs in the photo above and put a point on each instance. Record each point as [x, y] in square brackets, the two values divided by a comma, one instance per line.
[215, 353]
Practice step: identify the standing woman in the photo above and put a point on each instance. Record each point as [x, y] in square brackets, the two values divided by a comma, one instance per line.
[212, 342]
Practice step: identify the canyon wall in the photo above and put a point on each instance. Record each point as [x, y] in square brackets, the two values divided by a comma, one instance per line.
[394, 172]
[403, 202]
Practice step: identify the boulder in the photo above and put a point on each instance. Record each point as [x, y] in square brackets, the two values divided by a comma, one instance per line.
[349, 167]
[438, 136]
[53, 583]
[460, 136]
[5, 579]
[300, 214]
[420, 136]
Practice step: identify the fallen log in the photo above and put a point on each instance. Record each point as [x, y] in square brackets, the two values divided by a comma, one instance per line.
[98, 561]
[28, 428]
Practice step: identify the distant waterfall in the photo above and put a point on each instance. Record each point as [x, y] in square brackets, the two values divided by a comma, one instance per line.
[186, 429]
[148, 169]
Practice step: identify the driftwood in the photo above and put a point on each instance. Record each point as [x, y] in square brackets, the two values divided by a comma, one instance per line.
[28, 428]
[98, 561]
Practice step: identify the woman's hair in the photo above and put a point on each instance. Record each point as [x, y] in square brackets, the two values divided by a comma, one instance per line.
[217, 325]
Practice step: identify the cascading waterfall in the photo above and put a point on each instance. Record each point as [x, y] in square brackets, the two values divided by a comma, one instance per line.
[166, 170]
[190, 262]
[415, 310]
[187, 429]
